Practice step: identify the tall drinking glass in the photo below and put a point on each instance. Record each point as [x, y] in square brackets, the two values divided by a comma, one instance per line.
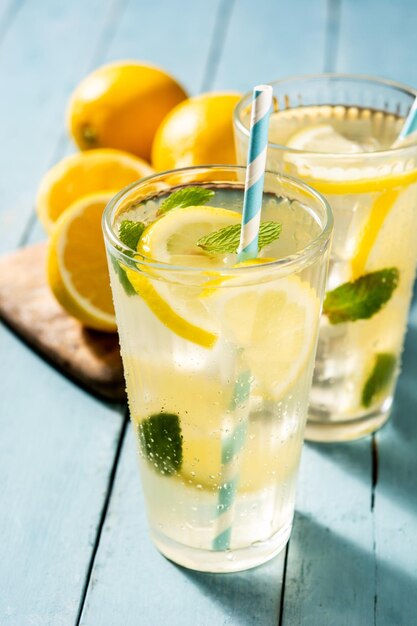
[218, 356]
[338, 133]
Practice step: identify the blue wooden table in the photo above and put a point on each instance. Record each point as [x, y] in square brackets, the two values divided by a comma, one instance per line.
[73, 541]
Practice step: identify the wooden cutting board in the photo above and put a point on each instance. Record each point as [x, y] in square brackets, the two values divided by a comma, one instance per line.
[89, 357]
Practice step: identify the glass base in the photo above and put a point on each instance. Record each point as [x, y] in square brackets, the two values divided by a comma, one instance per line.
[222, 562]
[323, 429]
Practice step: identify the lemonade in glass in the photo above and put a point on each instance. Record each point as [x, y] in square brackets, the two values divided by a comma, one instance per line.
[338, 133]
[218, 356]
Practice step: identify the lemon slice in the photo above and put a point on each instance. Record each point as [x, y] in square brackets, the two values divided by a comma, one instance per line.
[354, 180]
[173, 239]
[84, 173]
[176, 307]
[322, 138]
[274, 323]
[77, 266]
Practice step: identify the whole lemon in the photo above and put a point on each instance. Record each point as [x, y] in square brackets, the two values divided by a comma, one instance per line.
[198, 131]
[121, 105]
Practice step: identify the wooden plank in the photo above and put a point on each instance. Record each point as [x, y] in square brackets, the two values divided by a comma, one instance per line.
[176, 36]
[57, 443]
[330, 569]
[141, 34]
[395, 508]
[8, 12]
[271, 40]
[133, 583]
[57, 446]
[378, 37]
[42, 57]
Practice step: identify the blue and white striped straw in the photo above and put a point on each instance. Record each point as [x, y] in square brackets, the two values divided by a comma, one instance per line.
[233, 441]
[255, 172]
[410, 124]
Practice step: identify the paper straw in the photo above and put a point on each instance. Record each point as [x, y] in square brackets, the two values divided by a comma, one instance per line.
[233, 442]
[255, 172]
[410, 124]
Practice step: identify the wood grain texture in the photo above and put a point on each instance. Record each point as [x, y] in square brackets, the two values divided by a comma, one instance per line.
[267, 40]
[57, 443]
[330, 576]
[378, 37]
[43, 55]
[395, 499]
[27, 305]
[347, 563]
[132, 583]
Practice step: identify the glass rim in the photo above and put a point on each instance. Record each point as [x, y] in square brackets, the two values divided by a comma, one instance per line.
[301, 257]
[386, 82]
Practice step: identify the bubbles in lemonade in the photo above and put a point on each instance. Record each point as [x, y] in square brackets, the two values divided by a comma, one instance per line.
[218, 365]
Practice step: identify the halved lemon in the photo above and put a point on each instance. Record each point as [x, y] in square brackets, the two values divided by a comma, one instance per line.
[173, 239]
[77, 266]
[84, 173]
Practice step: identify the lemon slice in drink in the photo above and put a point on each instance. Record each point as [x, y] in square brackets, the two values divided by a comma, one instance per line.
[173, 237]
[274, 323]
[322, 138]
[174, 298]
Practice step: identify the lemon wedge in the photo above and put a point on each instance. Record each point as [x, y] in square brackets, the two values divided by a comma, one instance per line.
[77, 266]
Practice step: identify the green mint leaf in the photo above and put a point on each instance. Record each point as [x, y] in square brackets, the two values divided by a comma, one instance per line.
[161, 442]
[362, 298]
[130, 233]
[188, 196]
[227, 239]
[124, 281]
[379, 378]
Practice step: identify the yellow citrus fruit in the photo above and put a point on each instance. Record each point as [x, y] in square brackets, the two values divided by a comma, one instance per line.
[84, 173]
[172, 239]
[199, 131]
[77, 266]
[120, 105]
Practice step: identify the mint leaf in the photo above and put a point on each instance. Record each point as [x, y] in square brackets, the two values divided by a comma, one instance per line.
[227, 239]
[379, 378]
[362, 298]
[161, 442]
[185, 197]
[130, 233]
[124, 281]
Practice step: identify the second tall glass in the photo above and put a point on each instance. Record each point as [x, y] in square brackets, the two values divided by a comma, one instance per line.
[338, 133]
